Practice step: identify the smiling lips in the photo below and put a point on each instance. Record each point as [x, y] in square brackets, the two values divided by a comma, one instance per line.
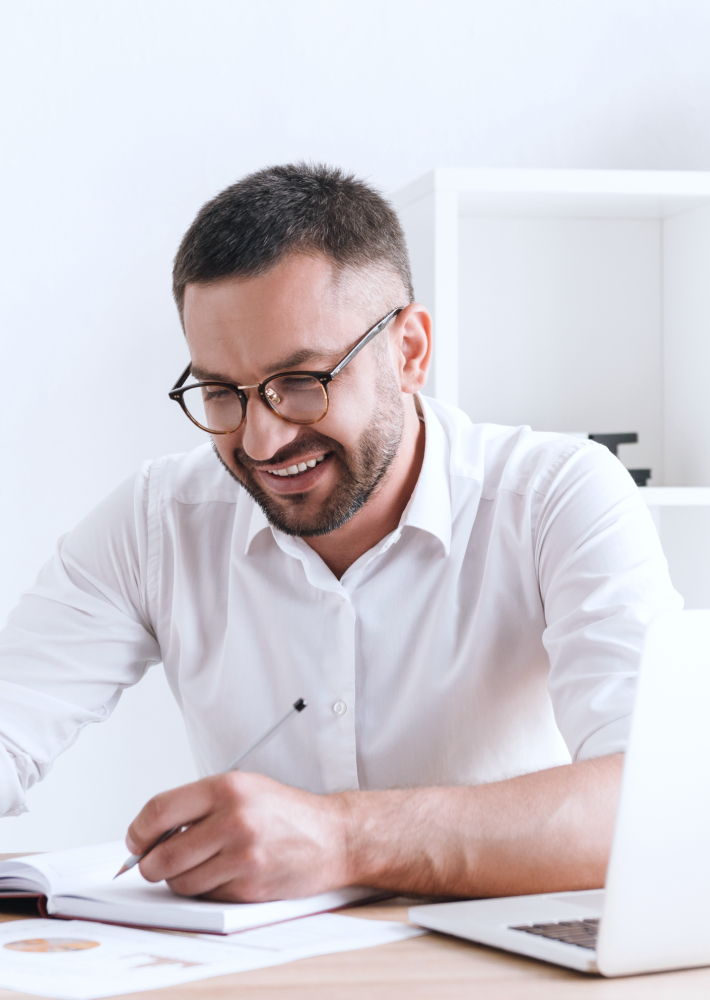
[295, 470]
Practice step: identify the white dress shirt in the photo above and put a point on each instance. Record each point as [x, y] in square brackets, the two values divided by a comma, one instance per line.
[496, 632]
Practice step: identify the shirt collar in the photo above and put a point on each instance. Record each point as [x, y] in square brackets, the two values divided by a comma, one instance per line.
[429, 507]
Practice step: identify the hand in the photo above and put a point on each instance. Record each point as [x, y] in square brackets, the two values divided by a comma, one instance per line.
[250, 839]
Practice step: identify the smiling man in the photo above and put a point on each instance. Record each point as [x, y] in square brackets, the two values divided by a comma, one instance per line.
[463, 606]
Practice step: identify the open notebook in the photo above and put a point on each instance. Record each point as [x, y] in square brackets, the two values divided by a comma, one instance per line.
[79, 884]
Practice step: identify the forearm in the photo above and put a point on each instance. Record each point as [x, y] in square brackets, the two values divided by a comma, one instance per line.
[541, 832]
[249, 838]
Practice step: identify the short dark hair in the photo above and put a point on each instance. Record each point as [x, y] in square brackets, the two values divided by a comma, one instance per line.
[308, 208]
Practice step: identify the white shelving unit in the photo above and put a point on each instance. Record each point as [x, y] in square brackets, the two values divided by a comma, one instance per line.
[676, 496]
[574, 298]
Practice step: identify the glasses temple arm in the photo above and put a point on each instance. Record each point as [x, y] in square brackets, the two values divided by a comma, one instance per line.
[182, 379]
[370, 335]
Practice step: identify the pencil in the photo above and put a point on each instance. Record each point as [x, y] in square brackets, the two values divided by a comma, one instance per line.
[265, 738]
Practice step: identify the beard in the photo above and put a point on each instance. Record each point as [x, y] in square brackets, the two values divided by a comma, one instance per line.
[361, 471]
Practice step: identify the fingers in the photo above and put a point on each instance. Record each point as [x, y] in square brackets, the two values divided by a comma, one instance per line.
[229, 874]
[179, 853]
[178, 807]
[181, 859]
[247, 839]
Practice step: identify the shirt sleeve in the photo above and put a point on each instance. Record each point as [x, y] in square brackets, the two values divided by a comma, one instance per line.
[77, 638]
[603, 578]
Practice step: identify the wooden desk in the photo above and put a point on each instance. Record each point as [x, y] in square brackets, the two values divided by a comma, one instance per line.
[432, 967]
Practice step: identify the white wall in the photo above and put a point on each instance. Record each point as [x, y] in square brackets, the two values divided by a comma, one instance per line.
[120, 118]
[687, 348]
[560, 324]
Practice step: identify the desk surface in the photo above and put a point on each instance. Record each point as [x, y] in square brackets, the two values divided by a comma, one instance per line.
[433, 966]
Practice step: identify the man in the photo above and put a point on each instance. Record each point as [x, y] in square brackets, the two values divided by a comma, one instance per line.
[462, 606]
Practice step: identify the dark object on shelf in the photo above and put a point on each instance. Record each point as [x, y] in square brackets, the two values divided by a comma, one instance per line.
[612, 441]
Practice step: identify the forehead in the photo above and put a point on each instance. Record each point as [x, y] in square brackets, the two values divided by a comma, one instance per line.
[247, 327]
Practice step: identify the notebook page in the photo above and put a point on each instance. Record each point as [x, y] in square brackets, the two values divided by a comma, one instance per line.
[73, 869]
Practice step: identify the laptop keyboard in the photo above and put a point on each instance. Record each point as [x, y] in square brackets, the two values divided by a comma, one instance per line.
[580, 932]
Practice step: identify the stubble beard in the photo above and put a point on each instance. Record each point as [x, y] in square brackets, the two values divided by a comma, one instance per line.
[361, 471]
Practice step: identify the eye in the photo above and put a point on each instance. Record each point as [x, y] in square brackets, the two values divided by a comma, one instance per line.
[216, 394]
[298, 383]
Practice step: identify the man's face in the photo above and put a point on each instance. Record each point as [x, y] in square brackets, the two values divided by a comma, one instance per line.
[297, 318]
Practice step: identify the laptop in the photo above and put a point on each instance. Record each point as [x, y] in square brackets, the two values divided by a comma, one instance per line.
[654, 913]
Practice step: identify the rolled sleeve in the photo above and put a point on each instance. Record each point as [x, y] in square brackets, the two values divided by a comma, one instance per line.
[603, 578]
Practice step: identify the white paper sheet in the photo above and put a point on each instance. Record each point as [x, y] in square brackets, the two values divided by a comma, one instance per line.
[79, 960]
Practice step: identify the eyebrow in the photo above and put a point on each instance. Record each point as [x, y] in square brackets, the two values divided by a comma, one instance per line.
[288, 363]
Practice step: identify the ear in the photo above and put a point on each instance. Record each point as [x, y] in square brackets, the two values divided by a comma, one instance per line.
[411, 341]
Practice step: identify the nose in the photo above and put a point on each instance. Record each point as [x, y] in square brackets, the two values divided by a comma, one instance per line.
[264, 432]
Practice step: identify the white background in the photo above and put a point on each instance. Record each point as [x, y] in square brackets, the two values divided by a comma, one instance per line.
[120, 118]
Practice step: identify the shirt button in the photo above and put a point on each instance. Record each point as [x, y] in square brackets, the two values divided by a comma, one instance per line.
[340, 708]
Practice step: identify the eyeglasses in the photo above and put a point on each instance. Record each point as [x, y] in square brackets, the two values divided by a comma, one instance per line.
[299, 397]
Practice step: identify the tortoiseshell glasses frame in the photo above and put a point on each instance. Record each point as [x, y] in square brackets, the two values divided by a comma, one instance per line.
[303, 394]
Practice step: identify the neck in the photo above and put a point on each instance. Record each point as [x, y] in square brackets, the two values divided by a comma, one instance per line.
[383, 511]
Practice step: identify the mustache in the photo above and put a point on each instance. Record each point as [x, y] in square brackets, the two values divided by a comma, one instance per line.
[289, 452]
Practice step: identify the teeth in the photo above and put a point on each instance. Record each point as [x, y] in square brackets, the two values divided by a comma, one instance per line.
[293, 470]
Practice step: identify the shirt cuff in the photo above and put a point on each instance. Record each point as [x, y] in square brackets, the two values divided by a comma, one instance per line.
[612, 738]
[12, 794]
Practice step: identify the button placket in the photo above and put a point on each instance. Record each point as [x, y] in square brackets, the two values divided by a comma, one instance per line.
[340, 764]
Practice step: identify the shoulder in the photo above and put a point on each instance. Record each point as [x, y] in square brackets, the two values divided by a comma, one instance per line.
[522, 461]
[122, 521]
[193, 477]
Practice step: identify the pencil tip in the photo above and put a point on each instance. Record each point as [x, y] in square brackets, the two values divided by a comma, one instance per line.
[122, 869]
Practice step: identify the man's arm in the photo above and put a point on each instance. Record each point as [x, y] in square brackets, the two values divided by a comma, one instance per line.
[78, 637]
[252, 839]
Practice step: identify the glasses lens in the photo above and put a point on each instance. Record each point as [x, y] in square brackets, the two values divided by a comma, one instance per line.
[214, 407]
[299, 398]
